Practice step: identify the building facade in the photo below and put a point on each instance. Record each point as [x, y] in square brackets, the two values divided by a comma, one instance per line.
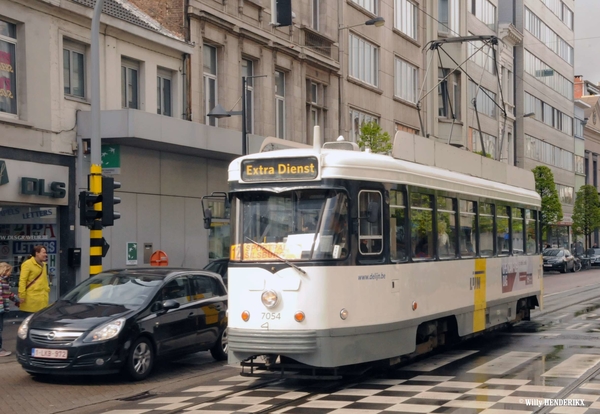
[544, 96]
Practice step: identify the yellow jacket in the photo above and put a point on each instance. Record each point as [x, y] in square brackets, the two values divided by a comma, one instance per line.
[35, 297]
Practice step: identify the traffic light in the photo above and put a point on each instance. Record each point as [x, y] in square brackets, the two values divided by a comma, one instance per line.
[109, 215]
[87, 214]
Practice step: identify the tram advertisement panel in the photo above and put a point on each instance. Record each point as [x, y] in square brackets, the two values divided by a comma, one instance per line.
[280, 169]
[517, 273]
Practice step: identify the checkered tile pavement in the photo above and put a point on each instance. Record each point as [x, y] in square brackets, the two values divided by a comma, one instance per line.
[412, 394]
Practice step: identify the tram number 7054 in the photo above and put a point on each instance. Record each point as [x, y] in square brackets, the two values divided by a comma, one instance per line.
[271, 315]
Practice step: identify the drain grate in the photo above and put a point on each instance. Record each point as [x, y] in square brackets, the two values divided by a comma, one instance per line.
[137, 397]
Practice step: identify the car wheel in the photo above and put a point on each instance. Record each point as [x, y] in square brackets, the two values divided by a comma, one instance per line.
[564, 268]
[140, 360]
[219, 351]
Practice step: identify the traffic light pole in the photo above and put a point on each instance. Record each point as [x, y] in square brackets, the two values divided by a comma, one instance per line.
[95, 178]
[96, 240]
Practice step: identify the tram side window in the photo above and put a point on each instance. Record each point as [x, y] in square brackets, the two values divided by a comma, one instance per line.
[370, 217]
[486, 229]
[518, 240]
[421, 225]
[398, 252]
[446, 227]
[502, 230]
[530, 220]
[468, 228]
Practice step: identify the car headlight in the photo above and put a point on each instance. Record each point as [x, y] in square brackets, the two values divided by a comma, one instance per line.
[105, 332]
[24, 328]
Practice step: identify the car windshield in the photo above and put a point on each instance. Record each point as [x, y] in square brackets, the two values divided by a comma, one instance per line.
[294, 225]
[128, 290]
[553, 252]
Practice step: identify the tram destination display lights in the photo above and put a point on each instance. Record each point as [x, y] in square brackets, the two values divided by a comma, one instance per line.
[281, 169]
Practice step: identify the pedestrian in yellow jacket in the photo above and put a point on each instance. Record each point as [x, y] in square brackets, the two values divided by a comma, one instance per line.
[34, 287]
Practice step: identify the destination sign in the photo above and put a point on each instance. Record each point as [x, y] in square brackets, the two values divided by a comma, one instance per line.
[280, 169]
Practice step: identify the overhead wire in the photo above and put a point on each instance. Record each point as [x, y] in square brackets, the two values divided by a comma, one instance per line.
[514, 73]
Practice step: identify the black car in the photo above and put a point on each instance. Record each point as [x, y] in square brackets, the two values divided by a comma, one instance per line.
[593, 254]
[122, 320]
[219, 266]
[558, 259]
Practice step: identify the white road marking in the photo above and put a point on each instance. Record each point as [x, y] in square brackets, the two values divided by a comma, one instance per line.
[505, 363]
[438, 361]
[578, 326]
[574, 366]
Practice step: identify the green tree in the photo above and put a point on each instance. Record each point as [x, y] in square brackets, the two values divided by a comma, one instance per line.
[371, 135]
[586, 212]
[551, 211]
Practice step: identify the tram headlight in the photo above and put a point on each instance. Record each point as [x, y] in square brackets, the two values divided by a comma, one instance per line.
[269, 298]
[343, 314]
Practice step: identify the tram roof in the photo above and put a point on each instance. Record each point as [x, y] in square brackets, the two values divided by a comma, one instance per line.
[364, 166]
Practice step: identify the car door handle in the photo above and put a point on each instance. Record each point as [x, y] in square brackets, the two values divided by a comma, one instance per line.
[191, 315]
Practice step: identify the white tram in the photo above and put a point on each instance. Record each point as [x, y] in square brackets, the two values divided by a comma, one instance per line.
[342, 257]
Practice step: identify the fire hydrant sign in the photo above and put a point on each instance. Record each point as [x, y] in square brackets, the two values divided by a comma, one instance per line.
[132, 256]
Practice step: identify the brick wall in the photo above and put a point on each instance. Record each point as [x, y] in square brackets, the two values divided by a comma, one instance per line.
[169, 13]
[578, 87]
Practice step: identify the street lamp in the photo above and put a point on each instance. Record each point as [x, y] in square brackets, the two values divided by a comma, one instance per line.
[377, 22]
[219, 112]
[529, 115]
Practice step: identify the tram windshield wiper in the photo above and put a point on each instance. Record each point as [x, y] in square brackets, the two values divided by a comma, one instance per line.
[277, 256]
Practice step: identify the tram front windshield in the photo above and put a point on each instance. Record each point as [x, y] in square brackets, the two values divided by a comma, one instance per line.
[296, 225]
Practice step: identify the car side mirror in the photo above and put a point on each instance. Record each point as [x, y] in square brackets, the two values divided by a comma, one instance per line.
[169, 304]
[207, 218]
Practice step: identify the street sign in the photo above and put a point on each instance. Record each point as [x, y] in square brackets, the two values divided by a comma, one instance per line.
[111, 159]
[131, 254]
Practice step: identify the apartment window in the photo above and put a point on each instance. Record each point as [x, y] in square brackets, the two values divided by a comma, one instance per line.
[406, 81]
[315, 14]
[481, 54]
[8, 71]
[210, 83]
[280, 104]
[248, 71]
[364, 60]
[547, 75]
[548, 114]
[74, 68]
[578, 128]
[370, 5]
[130, 82]
[486, 99]
[449, 17]
[484, 11]
[489, 142]
[565, 194]
[406, 17]
[547, 36]
[449, 94]
[164, 93]
[357, 119]
[539, 150]
[509, 93]
[579, 164]
[315, 106]
[561, 10]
